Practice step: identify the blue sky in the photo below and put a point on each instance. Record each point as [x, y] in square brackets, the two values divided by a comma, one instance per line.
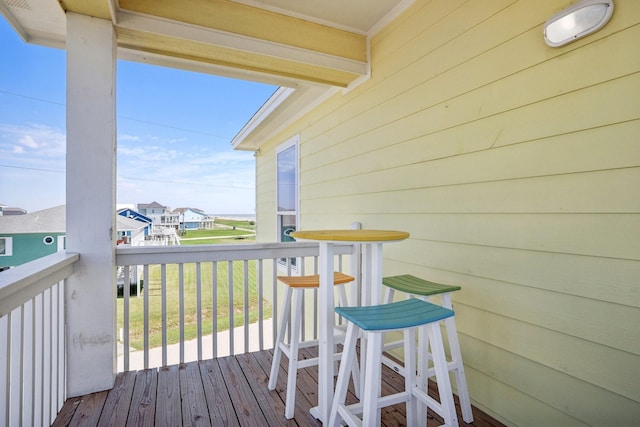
[174, 133]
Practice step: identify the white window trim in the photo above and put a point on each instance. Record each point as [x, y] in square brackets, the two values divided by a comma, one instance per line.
[8, 246]
[293, 141]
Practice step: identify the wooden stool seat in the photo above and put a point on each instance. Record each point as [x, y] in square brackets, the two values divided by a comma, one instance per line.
[313, 281]
[421, 288]
[372, 322]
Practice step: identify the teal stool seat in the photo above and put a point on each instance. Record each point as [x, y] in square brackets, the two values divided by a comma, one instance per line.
[397, 315]
[418, 288]
[370, 324]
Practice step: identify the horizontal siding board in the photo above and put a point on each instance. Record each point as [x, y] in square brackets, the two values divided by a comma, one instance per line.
[604, 279]
[592, 406]
[510, 128]
[592, 192]
[609, 324]
[614, 370]
[515, 407]
[569, 153]
[454, 128]
[588, 234]
[363, 103]
[606, 323]
[494, 82]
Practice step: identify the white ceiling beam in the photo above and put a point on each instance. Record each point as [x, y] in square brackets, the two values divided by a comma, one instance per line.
[133, 21]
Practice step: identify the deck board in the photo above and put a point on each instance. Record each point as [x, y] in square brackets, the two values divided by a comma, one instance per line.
[229, 391]
[194, 404]
[89, 410]
[169, 392]
[116, 407]
[218, 400]
[142, 411]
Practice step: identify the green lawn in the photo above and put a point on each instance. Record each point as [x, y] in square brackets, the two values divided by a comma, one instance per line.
[219, 241]
[250, 225]
[199, 234]
[136, 328]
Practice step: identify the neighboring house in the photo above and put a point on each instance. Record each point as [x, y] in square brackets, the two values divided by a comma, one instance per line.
[160, 215]
[130, 213]
[193, 219]
[24, 238]
[131, 231]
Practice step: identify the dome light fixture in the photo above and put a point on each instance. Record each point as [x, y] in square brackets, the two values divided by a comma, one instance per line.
[577, 21]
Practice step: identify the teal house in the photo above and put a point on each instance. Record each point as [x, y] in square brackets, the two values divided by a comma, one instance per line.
[27, 237]
[24, 238]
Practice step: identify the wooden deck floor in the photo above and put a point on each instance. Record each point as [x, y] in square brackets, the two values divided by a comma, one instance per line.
[229, 391]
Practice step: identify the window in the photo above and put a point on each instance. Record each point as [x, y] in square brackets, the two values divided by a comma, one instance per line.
[287, 190]
[6, 246]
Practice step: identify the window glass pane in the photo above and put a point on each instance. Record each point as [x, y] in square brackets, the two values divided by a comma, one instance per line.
[287, 179]
[3, 247]
[287, 225]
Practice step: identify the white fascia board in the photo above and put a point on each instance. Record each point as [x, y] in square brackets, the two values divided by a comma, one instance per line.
[393, 14]
[135, 21]
[13, 21]
[273, 123]
[261, 115]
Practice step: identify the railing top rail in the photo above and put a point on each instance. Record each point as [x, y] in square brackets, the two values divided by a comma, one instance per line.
[131, 255]
[20, 284]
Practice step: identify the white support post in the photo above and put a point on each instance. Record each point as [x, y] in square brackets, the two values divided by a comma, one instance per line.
[91, 188]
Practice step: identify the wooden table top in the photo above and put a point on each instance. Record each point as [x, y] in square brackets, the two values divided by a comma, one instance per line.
[351, 235]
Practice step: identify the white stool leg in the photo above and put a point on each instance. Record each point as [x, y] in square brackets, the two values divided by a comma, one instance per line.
[293, 354]
[372, 382]
[456, 364]
[423, 376]
[348, 359]
[389, 296]
[410, 374]
[442, 374]
[277, 350]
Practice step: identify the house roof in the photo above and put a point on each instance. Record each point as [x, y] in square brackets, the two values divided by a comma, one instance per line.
[52, 220]
[310, 49]
[153, 204]
[183, 210]
[128, 224]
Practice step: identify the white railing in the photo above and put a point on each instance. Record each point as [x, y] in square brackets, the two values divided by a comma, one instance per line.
[32, 341]
[173, 276]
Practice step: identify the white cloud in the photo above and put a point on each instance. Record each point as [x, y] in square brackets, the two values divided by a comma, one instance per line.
[126, 137]
[37, 141]
[28, 141]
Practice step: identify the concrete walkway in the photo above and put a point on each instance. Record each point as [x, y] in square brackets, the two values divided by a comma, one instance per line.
[136, 358]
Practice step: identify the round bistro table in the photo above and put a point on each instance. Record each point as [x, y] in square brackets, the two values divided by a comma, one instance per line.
[371, 242]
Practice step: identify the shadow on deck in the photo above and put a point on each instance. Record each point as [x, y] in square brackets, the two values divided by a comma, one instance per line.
[229, 391]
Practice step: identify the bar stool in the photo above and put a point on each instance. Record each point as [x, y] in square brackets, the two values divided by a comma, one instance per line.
[423, 289]
[373, 321]
[295, 289]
